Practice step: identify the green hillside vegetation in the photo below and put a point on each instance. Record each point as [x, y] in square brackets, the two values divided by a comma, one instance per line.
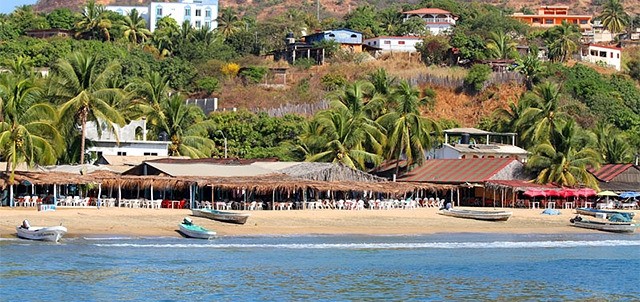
[570, 117]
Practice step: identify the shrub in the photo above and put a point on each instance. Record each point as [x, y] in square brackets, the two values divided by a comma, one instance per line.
[332, 81]
[478, 75]
[230, 69]
[253, 74]
[208, 85]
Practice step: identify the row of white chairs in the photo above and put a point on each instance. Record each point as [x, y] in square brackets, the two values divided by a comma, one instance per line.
[27, 201]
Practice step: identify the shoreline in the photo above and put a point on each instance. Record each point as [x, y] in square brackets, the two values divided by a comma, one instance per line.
[83, 222]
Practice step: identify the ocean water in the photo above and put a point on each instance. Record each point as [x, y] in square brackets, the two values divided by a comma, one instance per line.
[451, 267]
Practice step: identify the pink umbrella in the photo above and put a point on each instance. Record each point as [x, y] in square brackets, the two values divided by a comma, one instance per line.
[552, 193]
[565, 193]
[586, 192]
[534, 193]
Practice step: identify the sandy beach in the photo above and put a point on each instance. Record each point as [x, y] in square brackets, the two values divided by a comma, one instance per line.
[163, 222]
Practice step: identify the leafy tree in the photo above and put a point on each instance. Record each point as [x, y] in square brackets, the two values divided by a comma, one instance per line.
[62, 18]
[434, 49]
[501, 46]
[390, 21]
[134, 27]
[85, 92]
[557, 161]
[414, 26]
[363, 19]
[253, 74]
[149, 93]
[93, 24]
[477, 76]
[563, 41]
[612, 144]
[470, 47]
[613, 16]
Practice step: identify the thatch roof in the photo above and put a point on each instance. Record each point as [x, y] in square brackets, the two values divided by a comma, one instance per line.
[328, 172]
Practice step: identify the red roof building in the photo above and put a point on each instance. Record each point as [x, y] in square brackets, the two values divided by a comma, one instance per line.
[618, 177]
[461, 171]
[437, 20]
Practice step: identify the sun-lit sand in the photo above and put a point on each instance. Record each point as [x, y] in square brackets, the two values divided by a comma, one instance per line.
[164, 222]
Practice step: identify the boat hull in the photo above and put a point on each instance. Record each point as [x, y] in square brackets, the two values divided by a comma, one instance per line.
[53, 234]
[478, 215]
[228, 217]
[619, 227]
[195, 231]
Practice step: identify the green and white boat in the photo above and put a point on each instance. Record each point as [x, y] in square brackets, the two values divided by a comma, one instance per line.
[191, 230]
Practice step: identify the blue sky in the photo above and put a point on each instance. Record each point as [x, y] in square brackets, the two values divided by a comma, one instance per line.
[7, 6]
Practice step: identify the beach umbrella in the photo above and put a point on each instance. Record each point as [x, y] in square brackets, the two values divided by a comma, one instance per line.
[629, 194]
[534, 193]
[552, 193]
[565, 193]
[607, 193]
[586, 192]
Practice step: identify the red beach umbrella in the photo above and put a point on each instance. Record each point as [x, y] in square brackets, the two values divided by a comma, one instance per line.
[565, 193]
[534, 193]
[586, 192]
[552, 193]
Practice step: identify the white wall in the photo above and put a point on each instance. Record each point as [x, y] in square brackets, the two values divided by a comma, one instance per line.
[610, 57]
[178, 11]
[394, 44]
[437, 29]
[140, 148]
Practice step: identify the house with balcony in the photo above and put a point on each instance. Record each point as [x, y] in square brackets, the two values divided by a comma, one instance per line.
[394, 43]
[550, 16]
[609, 56]
[199, 13]
[437, 20]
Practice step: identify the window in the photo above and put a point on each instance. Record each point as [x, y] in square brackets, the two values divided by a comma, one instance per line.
[122, 153]
[187, 12]
[400, 42]
[354, 36]
[207, 13]
[150, 154]
[159, 10]
[387, 42]
[207, 24]
[198, 24]
[536, 20]
[594, 53]
[611, 56]
[603, 54]
[583, 21]
[548, 21]
[618, 56]
[198, 12]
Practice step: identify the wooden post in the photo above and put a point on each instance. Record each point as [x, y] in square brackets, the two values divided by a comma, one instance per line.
[119, 194]
[99, 193]
[191, 196]
[55, 195]
[11, 203]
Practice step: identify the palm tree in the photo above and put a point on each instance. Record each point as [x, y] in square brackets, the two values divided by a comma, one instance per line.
[531, 67]
[228, 22]
[409, 133]
[508, 119]
[134, 27]
[390, 20]
[27, 126]
[563, 41]
[612, 144]
[501, 46]
[149, 93]
[613, 16]
[345, 140]
[187, 128]
[84, 89]
[93, 24]
[540, 120]
[556, 161]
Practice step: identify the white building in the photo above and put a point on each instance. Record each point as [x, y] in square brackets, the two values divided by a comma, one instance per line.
[131, 140]
[199, 13]
[602, 54]
[394, 44]
[461, 143]
[437, 20]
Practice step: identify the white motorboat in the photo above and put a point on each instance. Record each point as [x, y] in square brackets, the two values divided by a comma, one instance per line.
[479, 215]
[52, 233]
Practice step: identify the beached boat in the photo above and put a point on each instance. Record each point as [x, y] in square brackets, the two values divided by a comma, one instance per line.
[479, 215]
[603, 225]
[229, 217]
[605, 213]
[191, 230]
[53, 233]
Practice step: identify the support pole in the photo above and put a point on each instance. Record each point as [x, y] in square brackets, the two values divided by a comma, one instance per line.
[99, 194]
[55, 195]
[119, 195]
[11, 201]
[191, 196]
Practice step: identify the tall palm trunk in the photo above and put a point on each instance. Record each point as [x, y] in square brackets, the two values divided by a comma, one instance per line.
[83, 120]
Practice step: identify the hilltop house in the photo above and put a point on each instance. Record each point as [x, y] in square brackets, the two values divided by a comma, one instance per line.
[348, 39]
[131, 140]
[602, 54]
[199, 13]
[437, 20]
[550, 16]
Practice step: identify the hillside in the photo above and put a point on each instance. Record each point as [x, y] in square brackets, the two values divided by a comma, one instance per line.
[334, 7]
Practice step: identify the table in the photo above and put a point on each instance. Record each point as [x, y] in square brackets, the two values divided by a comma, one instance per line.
[551, 205]
[535, 204]
[588, 204]
[174, 203]
[569, 205]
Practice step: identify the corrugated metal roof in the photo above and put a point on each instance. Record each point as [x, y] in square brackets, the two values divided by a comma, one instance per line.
[608, 172]
[457, 170]
[489, 149]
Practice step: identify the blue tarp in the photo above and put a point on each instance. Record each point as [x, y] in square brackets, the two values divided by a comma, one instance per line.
[550, 212]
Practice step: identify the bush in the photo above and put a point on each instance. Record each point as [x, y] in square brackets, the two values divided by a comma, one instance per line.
[230, 69]
[304, 63]
[332, 81]
[477, 76]
[252, 74]
[208, 84]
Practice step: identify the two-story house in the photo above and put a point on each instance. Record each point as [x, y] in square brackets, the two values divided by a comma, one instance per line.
[609, 56]
[437, 20]
[460, 143]
[550, 16]
[129, 140]
[348, 39]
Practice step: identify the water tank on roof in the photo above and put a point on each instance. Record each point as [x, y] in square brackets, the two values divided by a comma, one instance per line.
[465, 138]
